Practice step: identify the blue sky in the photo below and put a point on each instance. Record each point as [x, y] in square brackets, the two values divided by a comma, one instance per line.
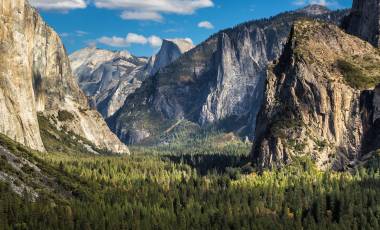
[139, 25]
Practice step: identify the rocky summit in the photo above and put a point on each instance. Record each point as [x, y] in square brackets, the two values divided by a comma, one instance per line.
[315, 10]
[36, 78]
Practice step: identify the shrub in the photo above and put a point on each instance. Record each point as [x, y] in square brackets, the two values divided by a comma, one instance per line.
[356, 76]
[64, 115]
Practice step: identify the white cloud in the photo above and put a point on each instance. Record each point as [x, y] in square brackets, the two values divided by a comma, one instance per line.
[81, 33]
[317, 2]
[133, 38]
[113, 41]
[61, 5]
[141, 15]
[148, 10]
[64, 35]
[206, 25]
[152, 9]
[189, 40]
[155, 41]
[130, 39]
[78, 33]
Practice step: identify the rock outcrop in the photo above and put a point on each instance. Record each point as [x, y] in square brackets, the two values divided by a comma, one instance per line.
[108, 78]
[364, 21]
[315, 10]
[35, 77]
[318, 99]
[220, 82]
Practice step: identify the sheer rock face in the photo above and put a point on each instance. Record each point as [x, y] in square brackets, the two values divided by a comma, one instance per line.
[364, 21]
[240, 73]
[219, 82]
[309, 108]
[108, 78]
[370, 101]
[170, 51]
[35, 76]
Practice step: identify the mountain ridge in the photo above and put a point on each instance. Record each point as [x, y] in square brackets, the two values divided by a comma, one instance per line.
[108, 77]
[215, 82]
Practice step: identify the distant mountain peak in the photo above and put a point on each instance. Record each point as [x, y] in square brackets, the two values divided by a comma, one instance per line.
[315, 9]
[183, 44]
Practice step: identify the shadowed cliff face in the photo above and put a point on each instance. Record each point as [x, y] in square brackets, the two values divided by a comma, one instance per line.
[315, 104]
[364, 21]
[370, 104]
[35, 76]
[220, 82]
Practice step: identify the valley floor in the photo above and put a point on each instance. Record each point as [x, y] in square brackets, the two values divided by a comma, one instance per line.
[174, 187]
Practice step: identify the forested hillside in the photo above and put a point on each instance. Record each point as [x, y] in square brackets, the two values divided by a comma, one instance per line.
[160, 189]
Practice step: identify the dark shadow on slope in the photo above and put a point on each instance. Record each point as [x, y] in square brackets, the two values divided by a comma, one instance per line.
[214, 164]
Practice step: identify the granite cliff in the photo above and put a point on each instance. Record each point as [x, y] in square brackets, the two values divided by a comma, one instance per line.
[36, 78]
[364, 21]
[319, 99]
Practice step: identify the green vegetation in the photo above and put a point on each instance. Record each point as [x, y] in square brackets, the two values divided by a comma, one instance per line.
[64, 141]
[174, 190]
[281, 128]
[64, 115]
[361, 72]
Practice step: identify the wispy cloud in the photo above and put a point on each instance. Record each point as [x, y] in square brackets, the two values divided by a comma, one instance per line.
[206, 25]
[144, 10]
[141, 15]
[64, 35]
[317, 2]
[78, 33]
[61, 5]
[153, 9]
[81, 33]
[129, 40]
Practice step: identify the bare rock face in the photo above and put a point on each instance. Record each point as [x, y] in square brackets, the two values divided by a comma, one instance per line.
[240, 74]
[364, 21]
[315, 10]
[100, 73]
[108, 78]
[170, 51]
[220, 82]
[35, 76]
[314, 99]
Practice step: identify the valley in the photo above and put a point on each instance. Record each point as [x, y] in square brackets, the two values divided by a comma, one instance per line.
[271, 124]
[159, 187]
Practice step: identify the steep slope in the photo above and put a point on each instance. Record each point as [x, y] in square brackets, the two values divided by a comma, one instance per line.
[364, 21]
[108, 77]
[314, 103]
[220, 82]
[36, 78]
[99, 73]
